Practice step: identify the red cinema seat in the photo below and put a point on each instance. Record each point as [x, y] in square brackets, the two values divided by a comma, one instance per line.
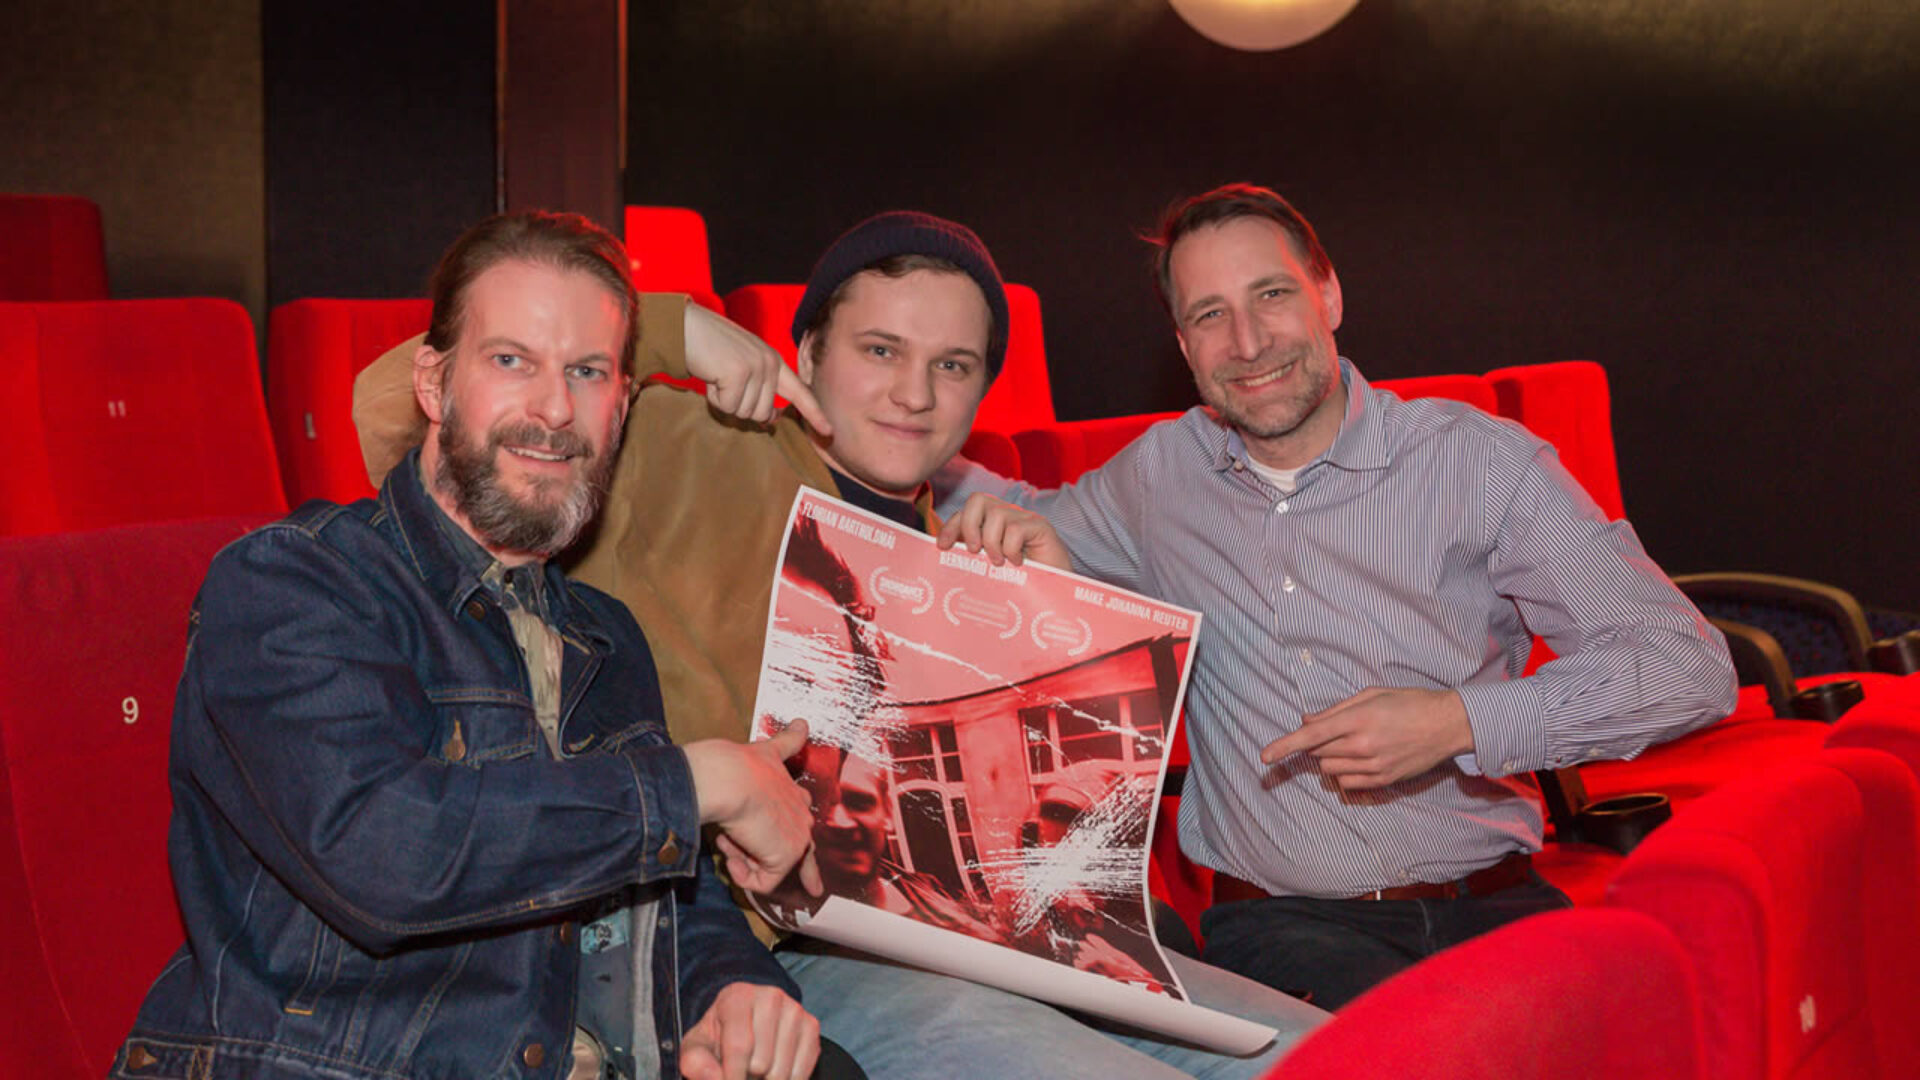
[1890, 795]
[1022, 396]
[768, 311]
[667, 246]
[1882, 723]
[129, 411]
[51, 248]
[1568, 403]
[1058, 454]
[94, 636]
[1588, 994]
[315, 348]
[1768, 884]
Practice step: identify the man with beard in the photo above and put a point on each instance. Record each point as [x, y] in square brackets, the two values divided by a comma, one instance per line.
[902, 327]
[1372, 572]
[428, 821]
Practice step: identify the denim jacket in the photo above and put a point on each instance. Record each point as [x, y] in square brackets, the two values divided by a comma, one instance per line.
[381, 868]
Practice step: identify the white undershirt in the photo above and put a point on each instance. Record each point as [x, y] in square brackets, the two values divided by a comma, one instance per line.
[1284, 479]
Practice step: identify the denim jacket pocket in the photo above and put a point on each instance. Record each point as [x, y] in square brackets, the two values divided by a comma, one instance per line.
[474, 725]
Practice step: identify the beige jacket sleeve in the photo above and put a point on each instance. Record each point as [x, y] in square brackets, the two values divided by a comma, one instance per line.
[390, 422]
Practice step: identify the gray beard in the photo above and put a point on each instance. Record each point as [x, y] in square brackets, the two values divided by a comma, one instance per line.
[472, 476]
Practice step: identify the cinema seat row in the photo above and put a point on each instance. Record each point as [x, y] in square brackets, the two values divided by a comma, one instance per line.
[1765, 931]
[146, 443]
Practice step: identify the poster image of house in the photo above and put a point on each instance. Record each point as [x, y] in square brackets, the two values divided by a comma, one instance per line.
[987, 746]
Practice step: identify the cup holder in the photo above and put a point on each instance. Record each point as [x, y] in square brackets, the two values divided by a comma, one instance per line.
[1620, 823]
[1828, 701]
[1897, 655]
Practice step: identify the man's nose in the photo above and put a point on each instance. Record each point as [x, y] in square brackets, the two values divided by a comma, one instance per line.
[551, 399]
[913, 388]
[838, 818]
[1250, 337]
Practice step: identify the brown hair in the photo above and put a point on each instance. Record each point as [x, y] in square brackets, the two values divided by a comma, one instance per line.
[1225, 203]
[562, 241]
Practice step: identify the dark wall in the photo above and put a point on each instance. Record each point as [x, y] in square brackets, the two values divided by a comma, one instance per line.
[1716, 199]
[379, 144]
[151, 108]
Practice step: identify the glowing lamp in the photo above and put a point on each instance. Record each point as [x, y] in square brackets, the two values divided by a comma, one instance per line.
[1259, 25]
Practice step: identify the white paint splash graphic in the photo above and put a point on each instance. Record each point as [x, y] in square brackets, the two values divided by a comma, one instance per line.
[1097, 861]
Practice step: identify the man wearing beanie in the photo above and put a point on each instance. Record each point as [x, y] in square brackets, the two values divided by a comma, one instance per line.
[902, 328]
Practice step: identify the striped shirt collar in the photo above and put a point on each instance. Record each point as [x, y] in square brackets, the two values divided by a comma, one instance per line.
[1361, 445]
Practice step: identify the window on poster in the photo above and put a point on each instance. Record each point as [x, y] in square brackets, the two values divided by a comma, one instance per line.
[1092, 729]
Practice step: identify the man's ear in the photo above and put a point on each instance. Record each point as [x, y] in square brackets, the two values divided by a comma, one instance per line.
[803, 358]
[1330, 302]
[429, 380]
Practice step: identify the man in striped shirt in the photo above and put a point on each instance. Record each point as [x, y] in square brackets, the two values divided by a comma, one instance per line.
[1372, 571]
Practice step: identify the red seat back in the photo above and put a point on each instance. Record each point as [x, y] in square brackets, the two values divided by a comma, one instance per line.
[131, 410]
[1588, 994]
[1762, 881]
[1475, 390]
[315, 348]
[667, 246]
[51, 248]
[94, 637]
[1568, 404]
[1887, 721]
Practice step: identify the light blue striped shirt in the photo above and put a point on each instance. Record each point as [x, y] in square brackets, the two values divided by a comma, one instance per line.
[1423, 549]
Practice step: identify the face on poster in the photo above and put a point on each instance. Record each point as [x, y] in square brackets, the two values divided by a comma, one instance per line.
[988, 740]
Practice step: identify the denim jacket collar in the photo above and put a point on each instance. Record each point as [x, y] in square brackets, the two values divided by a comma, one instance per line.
[410, 513]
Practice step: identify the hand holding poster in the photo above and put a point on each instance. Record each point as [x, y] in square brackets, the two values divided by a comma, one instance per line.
[987, 745]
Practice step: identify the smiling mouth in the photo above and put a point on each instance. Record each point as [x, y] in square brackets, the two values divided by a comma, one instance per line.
[537, 455]
[1258, 381]
[902, 432]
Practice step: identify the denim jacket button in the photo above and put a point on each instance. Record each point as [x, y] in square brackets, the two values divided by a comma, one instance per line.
[139, 1057]
[566, 933]
[476, 609]
[670, 851]
[534, 1055]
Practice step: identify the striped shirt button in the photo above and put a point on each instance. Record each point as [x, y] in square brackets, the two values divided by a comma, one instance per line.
[1281, 507]
[1306, 656]
[1287, 585]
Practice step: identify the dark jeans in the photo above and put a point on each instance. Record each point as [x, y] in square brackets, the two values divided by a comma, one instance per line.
[1332, 951]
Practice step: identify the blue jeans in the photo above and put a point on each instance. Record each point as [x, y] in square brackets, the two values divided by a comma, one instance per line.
[902, 1023]
[1335, 950]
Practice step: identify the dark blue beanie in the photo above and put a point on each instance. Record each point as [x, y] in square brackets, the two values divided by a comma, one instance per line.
[905, 232]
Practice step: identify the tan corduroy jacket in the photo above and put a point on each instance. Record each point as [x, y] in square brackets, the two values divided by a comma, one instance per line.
[692, 525]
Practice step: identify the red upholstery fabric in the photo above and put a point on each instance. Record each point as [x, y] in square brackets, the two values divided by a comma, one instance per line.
[315, 348]
[1588, 994]
[1057, 455]
[668, 249]
[1890, 724]
[144, 410]
[768, 310]
[51, 248]
[995, 451]
[95, 635]
[1568, 404]
[1020, 398]
[1763, 882]
[1890, 794]
[1472, 389]
[1696, 763]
